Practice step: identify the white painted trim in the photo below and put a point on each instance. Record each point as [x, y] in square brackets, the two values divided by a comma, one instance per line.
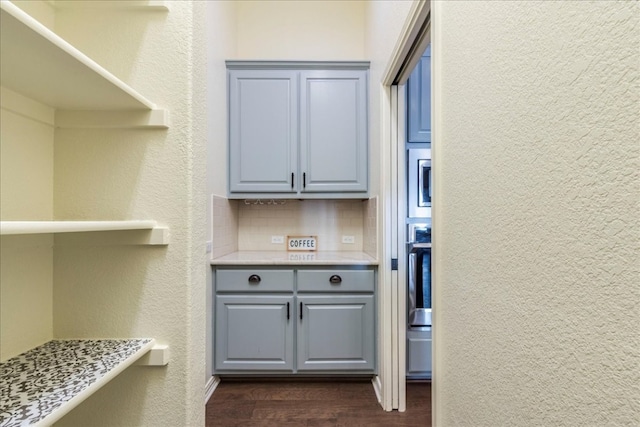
[394, 196]
[306, 65]
[119, 119]
[385, 284]
[210, 387]
[377, 388]
[38, 227]
[420, 11]
[158, 355]
[26, 107]
[160, 5]
[158, 235]
[399, 146]
[76, 119]
[404, 51]
[437, 237]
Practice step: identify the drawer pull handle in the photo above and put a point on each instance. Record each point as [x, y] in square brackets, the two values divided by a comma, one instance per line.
[288, 312]
[335, 279]
[254, 278]
[300, 311]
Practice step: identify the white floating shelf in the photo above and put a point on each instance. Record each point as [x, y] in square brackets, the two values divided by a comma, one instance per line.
[42, 385]
[159, 235]
[110, 4]
[40, 65]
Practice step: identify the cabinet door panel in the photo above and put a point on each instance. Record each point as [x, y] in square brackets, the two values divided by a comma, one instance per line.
[419, 356]
[419, 100]
[333, 131]
[262, 130]
[336, 333]
[254, 332]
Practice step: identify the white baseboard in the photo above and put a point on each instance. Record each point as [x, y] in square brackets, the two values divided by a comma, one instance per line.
[377, 387]
[210, 387]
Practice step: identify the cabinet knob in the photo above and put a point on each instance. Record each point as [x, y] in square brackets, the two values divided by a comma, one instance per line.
[335, 279]
[254, 278]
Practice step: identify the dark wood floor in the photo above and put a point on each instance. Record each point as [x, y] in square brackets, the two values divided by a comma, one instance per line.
[312, 403]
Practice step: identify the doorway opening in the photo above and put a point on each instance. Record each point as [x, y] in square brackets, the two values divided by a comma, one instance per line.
[411, 155]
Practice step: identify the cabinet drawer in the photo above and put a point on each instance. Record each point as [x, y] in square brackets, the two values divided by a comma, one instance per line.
[254, 280]
[335, 281]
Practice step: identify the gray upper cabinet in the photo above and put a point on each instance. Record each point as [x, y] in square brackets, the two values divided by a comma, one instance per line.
[298, 129]
[333, 131]
[263, 131]
[419, 100]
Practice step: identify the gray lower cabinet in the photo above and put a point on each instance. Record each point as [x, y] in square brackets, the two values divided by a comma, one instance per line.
[336, 332]
[419, 357]
[254, 332]
[303, 320]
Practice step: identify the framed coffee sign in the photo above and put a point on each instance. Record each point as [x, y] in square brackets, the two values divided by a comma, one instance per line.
[302, 243]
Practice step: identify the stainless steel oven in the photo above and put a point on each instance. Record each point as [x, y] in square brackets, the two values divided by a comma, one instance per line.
[419, 275]
[419, 182]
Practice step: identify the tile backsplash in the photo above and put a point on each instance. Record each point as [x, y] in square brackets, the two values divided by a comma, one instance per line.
[329, 220]
[240, 225]
[370, 227]
[225, 226]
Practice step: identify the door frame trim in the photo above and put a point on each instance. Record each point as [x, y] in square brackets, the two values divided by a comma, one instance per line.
[413, 40]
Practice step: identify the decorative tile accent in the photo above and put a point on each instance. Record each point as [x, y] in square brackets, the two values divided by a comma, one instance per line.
[38, 382]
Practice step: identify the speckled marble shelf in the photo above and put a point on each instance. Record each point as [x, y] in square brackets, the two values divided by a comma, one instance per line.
[295, 258]
[42, 385]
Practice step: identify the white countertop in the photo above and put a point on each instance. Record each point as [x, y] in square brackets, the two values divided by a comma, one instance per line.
[295, 258]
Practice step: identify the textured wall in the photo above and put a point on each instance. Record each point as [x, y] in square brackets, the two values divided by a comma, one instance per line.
[26, 159]
[26, 193]
[26, 293]
[102, 290]
[220, 45]
[537, 166]
[301, 30]
[385, 20]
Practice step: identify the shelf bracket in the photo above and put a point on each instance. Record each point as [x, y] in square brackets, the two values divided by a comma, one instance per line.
[159, 236]
[157, 356]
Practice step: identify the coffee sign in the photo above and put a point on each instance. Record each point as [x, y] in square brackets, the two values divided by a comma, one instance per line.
[302, 243]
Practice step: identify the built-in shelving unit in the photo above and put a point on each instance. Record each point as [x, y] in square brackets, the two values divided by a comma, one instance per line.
[47, 80]
[159, 235]
[40, 65]
[43, 384]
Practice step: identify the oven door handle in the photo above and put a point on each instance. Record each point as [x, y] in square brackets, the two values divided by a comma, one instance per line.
[413, 247]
